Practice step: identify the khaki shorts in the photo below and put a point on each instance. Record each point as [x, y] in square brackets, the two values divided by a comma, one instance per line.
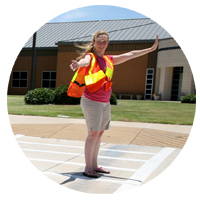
[97, 114]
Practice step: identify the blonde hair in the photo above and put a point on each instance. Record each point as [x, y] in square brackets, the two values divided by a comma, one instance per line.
[89, 48]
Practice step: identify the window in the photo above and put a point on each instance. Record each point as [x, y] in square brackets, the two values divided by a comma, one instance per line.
[49, 80]
[19, 79]
[149, 84]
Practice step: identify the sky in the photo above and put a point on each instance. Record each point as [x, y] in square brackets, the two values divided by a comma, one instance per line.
[100, 12]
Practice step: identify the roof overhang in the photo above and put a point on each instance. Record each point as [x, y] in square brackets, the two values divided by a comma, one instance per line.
[110, 42]
[41, 48]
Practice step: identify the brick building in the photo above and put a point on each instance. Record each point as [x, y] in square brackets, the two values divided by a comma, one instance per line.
[164, 71]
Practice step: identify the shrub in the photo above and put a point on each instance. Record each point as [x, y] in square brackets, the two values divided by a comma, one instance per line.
[113, 99]
[61, 96]
[191, 98]
[39, 96]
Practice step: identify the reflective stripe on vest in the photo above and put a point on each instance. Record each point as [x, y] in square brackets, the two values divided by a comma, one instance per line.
[74, 77]
[109, 72]
[93, 78]
[92, 63]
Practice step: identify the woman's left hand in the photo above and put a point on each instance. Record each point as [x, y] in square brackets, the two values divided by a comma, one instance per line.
[154, 47]
[121, 58]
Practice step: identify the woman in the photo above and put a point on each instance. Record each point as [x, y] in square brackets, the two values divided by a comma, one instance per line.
[95, 101]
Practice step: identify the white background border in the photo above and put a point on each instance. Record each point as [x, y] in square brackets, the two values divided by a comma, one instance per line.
[19, 179]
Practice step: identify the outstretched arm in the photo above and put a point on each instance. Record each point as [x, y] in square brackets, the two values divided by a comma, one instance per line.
[118, 59]
[81, 63]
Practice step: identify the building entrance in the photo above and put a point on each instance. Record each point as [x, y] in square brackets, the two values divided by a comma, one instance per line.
[177, 83]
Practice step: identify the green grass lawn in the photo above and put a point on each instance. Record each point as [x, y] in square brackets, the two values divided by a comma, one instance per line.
[126, 110]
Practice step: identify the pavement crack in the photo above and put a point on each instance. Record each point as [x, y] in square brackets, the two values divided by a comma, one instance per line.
[136, 135]
[103, 145]
[74, 157]
[63, 162]
[53, 167]
[59, 130]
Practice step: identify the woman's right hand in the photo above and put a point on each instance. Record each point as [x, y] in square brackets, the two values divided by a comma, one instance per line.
[74, 66]
[84, 62]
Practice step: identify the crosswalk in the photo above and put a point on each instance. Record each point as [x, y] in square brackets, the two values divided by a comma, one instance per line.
[63, 162]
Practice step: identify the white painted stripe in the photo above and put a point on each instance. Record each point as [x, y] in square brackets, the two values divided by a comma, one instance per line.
[80, 164]
[102, 179]
[19, 136]
[80, 147]
[54, 145]
[126, 159]
[54, 152]
[122, 151]
[145, 170]
[45, 160]
[76, 154]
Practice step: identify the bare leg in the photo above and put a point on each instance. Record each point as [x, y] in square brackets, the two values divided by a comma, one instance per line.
[89, 149]
[96, 150]
[95, 155]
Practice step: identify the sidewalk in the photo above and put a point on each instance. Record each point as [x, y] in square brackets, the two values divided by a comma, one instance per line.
[135, 153]
[145, 134]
